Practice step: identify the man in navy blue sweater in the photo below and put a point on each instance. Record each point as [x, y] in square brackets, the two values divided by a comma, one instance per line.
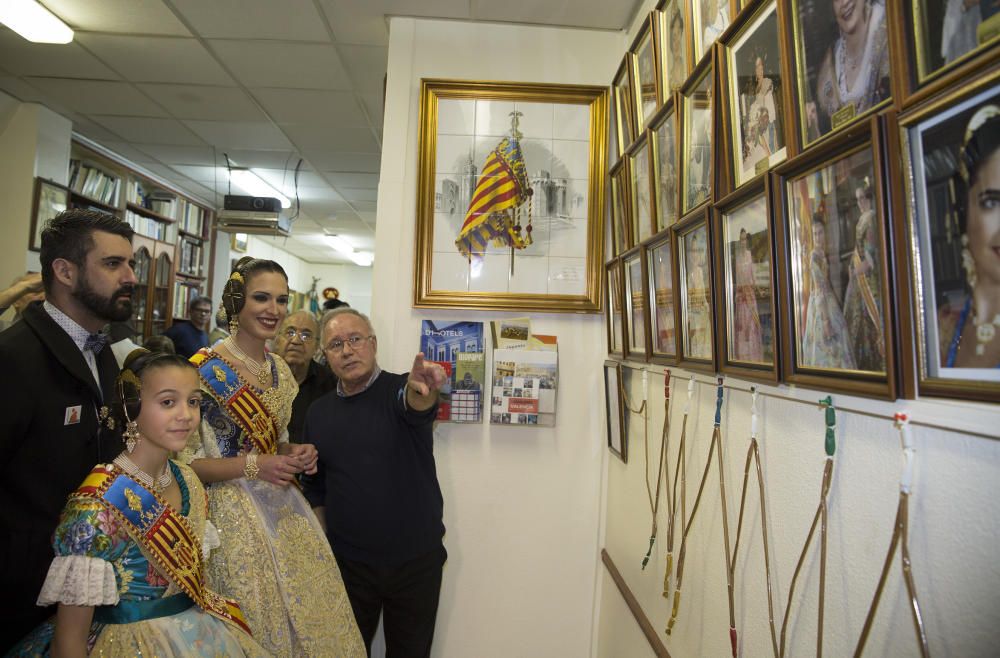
[376, 490]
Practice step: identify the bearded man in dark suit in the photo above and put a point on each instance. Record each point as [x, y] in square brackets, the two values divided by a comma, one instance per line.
[56, 387]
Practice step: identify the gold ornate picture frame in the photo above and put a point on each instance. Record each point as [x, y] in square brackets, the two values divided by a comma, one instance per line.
[510, 196]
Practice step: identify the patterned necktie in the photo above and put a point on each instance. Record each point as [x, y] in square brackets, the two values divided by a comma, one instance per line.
[95, 343]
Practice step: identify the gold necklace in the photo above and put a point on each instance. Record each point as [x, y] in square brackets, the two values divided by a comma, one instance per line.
[258, 370]
[161, 482]
[985, 331]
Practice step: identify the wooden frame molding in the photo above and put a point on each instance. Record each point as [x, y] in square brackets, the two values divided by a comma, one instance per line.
[633, 604]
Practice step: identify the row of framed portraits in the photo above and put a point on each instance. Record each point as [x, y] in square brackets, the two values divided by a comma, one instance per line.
[869, 264]
[793, 73]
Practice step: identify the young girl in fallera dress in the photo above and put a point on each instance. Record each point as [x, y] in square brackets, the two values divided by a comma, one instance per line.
[128, 571]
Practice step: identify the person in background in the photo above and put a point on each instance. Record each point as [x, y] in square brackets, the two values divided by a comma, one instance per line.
[274, 558]
[125, 589]
[25, 289]
[160, 344]
[221, 329]
[375, 487]
[58, 380]
[191, 336]
[296, 343]
[332, 304]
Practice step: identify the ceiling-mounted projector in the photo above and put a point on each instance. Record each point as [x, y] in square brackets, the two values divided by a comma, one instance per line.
[254, 215]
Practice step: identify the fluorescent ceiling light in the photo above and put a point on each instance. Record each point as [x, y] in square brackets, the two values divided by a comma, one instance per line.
[362, 258]
[253, 184]
[34, 22]
[339, 244]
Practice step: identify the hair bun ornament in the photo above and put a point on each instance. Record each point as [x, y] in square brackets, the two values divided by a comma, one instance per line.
[127, 385]
[973, 143]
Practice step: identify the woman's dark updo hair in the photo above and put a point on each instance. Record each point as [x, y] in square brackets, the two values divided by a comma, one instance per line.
[234, 294]
[128, 385]
[982, 139]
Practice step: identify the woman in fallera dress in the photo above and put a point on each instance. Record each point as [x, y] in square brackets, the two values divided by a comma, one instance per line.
[274, 557]
[128, 571]
[825, 341]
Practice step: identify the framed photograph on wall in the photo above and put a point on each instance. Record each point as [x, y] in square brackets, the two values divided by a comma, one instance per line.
[624, 100]
[952, 241]
[838, 332]
[950, 34]
[709, 19]
[659, 257]
[694, 261]
[755, 90]
[50, 200]
[640, 189]
[510, 196]
[238, 242]
[841, 63]
[746, 299]
[675, 46]
[619, 216]
[614, 293]
[696, 141]
[663, 141]
[633, 274]
[646, 72]
[614, 410]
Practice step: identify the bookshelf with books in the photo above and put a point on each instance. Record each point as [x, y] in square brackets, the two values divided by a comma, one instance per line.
[171, 229]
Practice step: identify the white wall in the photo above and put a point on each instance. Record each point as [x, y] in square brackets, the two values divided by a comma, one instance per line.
[354, 283]
[521, 506]
[954, 525]
[34, 141]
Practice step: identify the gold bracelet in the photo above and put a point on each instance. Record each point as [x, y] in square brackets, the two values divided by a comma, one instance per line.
[251, 470]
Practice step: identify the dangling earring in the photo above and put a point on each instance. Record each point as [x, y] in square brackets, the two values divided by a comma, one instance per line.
[968, 263]
[131, 435]
[234, 326]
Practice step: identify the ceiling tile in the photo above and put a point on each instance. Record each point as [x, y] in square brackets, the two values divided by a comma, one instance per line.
[365, 205]
[363, 181]
[285, 178]
[126, 16]
[204, 103]
[160, 131]
[94, 131]
[340, 108]
[157, 59]
[339, 161]
[125, 150]
[598, 14]
[283, 64]
[263, 159]
[98, 97]
[331, 137]
[201, 174]
[293, 20]
[240, 134]
[355, 194]
[357, 22]
[20, 89]
[68, 60]
[366, 65]
[374, 105]
[190, 155]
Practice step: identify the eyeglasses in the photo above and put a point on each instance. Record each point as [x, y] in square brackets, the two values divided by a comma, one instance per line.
[337, 346]
[304, 335]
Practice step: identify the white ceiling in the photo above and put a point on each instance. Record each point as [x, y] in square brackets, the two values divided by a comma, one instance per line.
[173, 84]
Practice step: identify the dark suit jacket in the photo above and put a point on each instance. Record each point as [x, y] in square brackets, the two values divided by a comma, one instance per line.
[42, 458]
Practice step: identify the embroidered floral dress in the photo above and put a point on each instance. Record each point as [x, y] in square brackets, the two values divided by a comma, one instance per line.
[275, 558]
[138, 610]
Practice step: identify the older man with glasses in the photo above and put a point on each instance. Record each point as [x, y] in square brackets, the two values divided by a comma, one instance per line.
[376, 490]
[296, 343]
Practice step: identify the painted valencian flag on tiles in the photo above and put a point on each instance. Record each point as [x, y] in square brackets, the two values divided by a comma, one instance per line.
[495, 210]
